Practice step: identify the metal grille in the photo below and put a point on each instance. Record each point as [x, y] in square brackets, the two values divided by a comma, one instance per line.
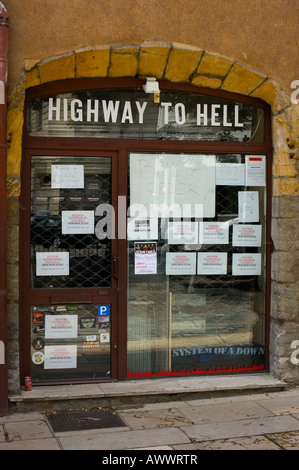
[83, 420]
[227, 298]
[89, 257]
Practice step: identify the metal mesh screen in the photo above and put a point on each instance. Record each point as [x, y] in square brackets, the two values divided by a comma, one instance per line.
[89, 257]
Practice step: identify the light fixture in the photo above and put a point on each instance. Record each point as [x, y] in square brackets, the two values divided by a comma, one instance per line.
[152, 86]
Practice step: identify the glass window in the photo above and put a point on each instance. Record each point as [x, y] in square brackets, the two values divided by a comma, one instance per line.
[70, 342]
[132, 114]
[66, 251]
[196, 263]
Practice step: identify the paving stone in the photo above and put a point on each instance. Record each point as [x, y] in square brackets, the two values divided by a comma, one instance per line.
[281, 406]
[225, 412]
[155, 419]
[125, 440]
[243, 443]
[32, 444]
[27, 430]
[241, 428]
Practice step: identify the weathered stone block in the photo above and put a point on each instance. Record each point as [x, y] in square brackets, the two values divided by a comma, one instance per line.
[285, 266]
[124, 61]
[93, 63]
[204, 81]
[153, 58]
[59, 69]
[214, 64]
[243, 80]
[286, 207]
[182, 63]
[270, 92]
[285, 302]
[285, 234]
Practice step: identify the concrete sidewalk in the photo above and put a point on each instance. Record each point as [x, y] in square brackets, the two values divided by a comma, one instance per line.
[251, 420]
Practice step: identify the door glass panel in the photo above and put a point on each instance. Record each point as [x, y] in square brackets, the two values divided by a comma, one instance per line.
[67, 197]
[196, 267]
[70, 342]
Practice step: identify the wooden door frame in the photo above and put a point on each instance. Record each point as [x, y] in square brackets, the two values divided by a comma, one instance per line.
[30, 297]
[59, 145]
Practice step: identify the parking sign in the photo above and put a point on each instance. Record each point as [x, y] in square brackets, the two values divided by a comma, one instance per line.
[103, 310]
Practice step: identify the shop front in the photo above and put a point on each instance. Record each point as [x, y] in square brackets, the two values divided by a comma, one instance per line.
[145, 232]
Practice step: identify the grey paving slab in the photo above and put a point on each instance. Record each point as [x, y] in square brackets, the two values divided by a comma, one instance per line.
[284, 405]
[243, 443]
[19, 417]
[241, 428]
[228, 412]
[125, 440]
[150, 419]
[27, 430]
[32, 444]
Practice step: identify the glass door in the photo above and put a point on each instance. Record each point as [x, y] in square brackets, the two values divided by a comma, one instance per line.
[196, 263]
[70, 291]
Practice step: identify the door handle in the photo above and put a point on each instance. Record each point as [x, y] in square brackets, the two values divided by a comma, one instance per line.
[115, 267]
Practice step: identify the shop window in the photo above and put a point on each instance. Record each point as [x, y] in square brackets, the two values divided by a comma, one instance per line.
[196, 257]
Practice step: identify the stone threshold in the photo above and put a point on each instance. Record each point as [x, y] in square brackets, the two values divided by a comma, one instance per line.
[142, 391]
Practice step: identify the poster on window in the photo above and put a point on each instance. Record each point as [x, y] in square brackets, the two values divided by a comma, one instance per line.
[184, 232]
[248, 206]
[247, 235]
[67, 176]
[61, 326]
[230, 174]
[180, 264]
[52, 263]
[173, 179]
[246, 264]
[60, 357]
[142, 228]
[212, 263]
[145, 258]
[215, 233]
[77, 222]
[255, 170]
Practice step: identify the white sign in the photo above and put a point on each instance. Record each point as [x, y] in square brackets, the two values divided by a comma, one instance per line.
[52, 263]
[248, 206]
[215, 233]
[212, 263]
[61, 326]
[180, 263]
[77, 222]
[246, 264]
[230, 174]
[143, 228]
[60, 357]
[168, 180]
[255, 170]
[67, 176]
[182, 232]
[247, 235]
[145, 258]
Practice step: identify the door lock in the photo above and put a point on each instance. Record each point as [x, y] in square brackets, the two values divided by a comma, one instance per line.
[115, 347]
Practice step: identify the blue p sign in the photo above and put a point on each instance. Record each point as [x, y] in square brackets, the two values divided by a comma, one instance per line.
[103, 310]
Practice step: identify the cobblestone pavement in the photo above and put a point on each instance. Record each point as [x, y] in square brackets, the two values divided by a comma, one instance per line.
[258, 421]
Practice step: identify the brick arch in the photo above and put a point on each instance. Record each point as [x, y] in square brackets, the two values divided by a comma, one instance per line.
[177, 63]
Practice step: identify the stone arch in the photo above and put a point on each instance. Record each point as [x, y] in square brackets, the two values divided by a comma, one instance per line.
[174, 62]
